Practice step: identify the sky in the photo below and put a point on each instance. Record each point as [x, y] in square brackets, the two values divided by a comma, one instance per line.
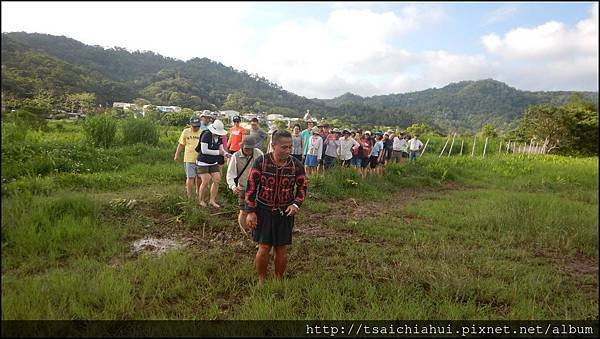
[325, 49]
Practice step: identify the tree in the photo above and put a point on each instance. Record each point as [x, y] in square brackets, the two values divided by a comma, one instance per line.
[152, 113]
[489, 130]
[80, 102]
[420, 128]
[568, 129]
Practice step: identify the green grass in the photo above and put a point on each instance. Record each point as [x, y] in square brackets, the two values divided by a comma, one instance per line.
[500, 237]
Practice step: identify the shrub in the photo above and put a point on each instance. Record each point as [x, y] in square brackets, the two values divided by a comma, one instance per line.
[14, 132]
[140, 131]
[100, 130]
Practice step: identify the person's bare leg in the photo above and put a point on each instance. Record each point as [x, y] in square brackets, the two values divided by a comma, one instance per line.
[262, 262]
[214, 188]
[198, 182]
[280, 260]
[189, 187]
[205, 180]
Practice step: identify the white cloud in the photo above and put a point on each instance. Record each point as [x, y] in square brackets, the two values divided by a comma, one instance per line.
[326, 58]
[357, 48]
[551, 40]
[551, 56]
[443, 67]
[175, 29]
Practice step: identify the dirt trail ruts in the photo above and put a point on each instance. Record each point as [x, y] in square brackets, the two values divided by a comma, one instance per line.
[318, 225]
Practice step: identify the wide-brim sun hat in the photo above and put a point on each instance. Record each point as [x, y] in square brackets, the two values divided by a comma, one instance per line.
[217, 128]
[315, 130]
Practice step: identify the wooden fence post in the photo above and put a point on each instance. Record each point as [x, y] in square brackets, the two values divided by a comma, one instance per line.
[443, 149]
[424, 148]
[452, 144]
[462, 143]
[500, 147]
[474, 140]
[485, 146]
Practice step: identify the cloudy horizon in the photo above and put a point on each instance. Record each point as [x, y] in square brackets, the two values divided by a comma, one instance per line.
[323, 50]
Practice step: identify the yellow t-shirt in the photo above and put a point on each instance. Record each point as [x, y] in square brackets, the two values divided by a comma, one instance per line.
[190, 139]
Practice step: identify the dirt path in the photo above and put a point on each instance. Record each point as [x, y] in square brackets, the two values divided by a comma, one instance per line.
[581, 268]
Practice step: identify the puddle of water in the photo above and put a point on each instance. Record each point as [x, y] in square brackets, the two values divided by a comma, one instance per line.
[159, 246]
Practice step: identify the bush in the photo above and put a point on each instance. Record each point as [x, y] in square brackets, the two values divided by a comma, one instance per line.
[140, 131]
[14, 132]
[100, 130]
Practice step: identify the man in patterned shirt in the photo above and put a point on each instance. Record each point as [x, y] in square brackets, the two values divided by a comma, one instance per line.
[276, 188]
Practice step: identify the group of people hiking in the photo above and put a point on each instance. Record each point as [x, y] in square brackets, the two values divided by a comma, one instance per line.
[271, 186]
[321, 148]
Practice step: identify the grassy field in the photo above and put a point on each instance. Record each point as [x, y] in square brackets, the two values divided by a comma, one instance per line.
[500, 237]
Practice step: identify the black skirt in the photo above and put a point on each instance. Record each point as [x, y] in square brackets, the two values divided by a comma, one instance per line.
[272, 228]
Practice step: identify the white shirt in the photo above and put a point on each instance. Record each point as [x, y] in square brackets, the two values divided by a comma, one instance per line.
[232, 168]
[414, 144]
[400, 144]
[346, 145]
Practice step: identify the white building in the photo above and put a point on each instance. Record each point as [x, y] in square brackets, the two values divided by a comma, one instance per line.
[123, 105]
[275, 117]
[168, 108]
[230, 113]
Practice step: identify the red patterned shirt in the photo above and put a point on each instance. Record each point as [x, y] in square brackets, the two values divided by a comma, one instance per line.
[275, 186]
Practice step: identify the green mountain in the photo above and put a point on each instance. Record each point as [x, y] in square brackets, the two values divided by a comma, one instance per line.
[466, 105]
[33, 62]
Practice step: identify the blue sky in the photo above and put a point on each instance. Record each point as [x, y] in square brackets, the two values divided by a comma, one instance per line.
[326, 49]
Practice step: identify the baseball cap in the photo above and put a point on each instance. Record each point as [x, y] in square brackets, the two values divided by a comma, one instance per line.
[248, 142]
[237, 118]
[195, 122]
[315, 130]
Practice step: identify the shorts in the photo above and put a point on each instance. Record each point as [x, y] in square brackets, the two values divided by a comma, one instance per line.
[191, 169]
[373, 161]
[208, 169]
[355, 161]
[329, 161]
[272, 228]
[388, 154]
[364, 162]
[311, 161]
[396, 155]
[242, 200]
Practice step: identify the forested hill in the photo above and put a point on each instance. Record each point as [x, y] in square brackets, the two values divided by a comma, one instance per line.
[461, 105]
[31, 62]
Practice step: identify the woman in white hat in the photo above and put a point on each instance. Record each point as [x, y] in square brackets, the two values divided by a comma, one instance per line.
[211, 155]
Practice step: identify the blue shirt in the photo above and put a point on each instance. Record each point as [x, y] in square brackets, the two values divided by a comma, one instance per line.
[376, 149]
